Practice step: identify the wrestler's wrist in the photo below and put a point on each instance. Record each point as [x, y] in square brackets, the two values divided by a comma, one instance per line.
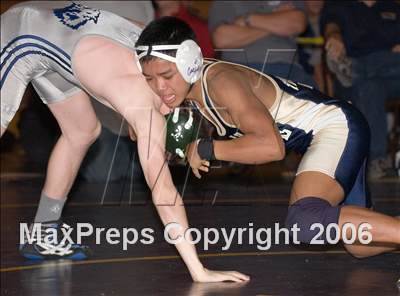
[198, 272]
[205, 149]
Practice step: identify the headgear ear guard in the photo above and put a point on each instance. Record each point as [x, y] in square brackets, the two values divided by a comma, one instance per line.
[188, 59]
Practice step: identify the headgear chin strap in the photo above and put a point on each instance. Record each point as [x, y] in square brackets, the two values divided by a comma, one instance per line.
[188, 60]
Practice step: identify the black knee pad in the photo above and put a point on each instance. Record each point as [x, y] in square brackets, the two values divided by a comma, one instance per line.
[307, 211]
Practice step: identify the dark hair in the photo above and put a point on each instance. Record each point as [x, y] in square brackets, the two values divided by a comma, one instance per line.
[167, 30]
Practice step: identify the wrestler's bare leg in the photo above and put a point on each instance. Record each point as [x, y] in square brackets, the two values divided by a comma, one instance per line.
[79, 129]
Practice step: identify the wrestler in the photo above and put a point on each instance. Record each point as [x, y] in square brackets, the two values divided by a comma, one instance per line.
[262, 117]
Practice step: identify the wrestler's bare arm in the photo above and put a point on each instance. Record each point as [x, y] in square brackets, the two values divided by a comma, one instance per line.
[109, 71]
[261, 142]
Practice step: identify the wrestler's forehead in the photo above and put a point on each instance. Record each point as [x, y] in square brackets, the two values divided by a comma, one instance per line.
[157, 66]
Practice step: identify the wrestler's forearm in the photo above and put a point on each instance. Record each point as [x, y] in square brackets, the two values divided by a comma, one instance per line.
[170, 208]
[176, 214]
[250, 149]
[164, 194]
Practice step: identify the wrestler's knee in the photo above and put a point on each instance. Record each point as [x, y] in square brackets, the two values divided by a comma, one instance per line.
[85, 136]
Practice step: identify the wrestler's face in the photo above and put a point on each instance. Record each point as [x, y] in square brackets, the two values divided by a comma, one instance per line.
[166, 81]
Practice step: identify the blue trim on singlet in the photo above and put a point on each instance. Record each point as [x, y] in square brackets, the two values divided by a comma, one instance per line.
[45, 49]
[352, 162]
[305, 92]
[3, 79]
[54, 56]
[36, 38]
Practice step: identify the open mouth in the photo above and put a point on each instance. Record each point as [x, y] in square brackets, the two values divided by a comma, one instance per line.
[168, 99]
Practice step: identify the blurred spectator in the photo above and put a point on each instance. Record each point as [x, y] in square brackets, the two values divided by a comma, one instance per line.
[180, 10]
[368, 33]
[310, 53]
[259, 32]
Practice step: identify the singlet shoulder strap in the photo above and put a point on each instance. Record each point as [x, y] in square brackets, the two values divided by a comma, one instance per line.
[208, 104]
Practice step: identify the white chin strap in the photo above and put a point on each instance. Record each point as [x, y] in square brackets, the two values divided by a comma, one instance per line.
[153, 51]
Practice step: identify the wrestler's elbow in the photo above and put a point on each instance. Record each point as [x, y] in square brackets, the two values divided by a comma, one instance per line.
[271, 151]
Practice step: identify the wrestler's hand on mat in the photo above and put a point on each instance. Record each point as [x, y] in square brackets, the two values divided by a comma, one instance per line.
[210, 276]
[196, 163]
[220, 288]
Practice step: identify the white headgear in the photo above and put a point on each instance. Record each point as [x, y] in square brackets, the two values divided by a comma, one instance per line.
[188, 60]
